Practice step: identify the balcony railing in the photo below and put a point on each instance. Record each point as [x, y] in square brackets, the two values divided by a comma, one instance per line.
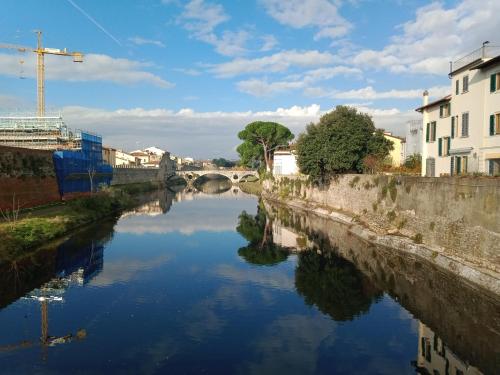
[484, 52]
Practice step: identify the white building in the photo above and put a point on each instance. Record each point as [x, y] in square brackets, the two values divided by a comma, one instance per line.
[142, 156]
[123, 158]
[285, 163]
[462, 130]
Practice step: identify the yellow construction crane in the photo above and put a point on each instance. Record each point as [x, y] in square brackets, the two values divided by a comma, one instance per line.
[40, 71]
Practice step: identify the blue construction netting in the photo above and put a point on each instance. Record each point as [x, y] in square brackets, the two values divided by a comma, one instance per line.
[73, 168]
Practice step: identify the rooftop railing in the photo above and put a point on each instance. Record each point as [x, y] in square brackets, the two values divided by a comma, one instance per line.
[484, 52]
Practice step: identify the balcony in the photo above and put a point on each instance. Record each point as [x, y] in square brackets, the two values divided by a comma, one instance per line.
[485, 52]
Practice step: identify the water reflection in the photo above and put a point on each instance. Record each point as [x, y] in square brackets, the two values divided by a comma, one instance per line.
[434, 357]
[44, 276]
[258, 231]
[191, 282]
[343, 275]
[334, 285]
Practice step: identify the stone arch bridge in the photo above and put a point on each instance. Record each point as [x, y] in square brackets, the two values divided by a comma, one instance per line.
[233, 175]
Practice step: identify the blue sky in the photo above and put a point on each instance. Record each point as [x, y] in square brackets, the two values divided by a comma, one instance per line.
[188, 75]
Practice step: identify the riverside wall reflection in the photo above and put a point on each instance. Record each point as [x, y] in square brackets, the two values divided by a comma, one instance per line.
[343, 275]
[78, 259]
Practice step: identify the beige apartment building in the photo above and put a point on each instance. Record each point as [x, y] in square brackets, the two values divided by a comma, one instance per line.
[461, 132]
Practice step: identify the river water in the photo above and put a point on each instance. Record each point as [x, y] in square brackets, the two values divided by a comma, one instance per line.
[191, 282]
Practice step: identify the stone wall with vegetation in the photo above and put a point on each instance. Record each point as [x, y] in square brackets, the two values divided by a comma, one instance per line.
[125, 176]
[27, 177]
[458, 216]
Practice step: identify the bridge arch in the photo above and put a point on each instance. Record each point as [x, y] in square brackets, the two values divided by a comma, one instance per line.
[233, 175]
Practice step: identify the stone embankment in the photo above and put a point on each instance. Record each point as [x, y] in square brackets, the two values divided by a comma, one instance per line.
[452, 222]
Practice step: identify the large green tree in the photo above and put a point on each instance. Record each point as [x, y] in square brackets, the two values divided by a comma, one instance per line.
[260, 139]
[338, 143]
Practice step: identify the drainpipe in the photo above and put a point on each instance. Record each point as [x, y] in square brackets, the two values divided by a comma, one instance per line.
[425, 118]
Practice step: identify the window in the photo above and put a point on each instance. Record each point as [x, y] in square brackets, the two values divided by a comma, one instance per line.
[494, 167]
[495, 124]
[495, 82]
[465, 84]
[458, 165]
[457, 87]
[430, 134]
[454, 127]
[444, 110]
[465, 124]
[444, 146]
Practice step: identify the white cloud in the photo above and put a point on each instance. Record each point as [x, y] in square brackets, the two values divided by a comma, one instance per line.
[95, 67]
[369, 93]
[10, 102]
[270, 42]
[188, 71]
[278, 62]
[142, 41]
[437, 35]
[323, 14]
[261, 87]
[202, 134]
[332, 32]
[201, 18]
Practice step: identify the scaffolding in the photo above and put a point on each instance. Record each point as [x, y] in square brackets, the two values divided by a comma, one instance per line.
[43, 133]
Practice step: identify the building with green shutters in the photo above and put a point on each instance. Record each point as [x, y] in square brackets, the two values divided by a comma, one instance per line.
[461, 131]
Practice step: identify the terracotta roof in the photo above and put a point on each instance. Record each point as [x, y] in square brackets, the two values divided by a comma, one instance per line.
[447, 98]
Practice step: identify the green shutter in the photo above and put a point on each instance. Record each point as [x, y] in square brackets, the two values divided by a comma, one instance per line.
[493, 83]
[492, 124]
[427, 132]
[449, 146]
[440, 146]
[459, 165]
[440, 111]
[452, 165]
[453, 127]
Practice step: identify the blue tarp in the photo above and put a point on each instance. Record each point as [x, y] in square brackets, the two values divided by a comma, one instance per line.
[72, 167]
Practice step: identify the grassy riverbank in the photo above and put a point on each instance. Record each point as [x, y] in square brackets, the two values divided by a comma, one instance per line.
[36, 227]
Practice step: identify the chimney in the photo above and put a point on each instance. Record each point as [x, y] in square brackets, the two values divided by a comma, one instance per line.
[426, 97]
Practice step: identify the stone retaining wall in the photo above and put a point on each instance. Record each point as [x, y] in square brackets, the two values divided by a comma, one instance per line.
[28, 177]
[123, 176]
[459, 216]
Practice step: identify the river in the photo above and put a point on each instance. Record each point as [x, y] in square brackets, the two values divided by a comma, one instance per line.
[222, 283]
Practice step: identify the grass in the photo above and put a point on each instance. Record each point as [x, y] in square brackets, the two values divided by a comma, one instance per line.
[37, 228]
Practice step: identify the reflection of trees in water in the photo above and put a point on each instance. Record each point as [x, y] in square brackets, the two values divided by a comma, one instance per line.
[257, 230]
[334, 285]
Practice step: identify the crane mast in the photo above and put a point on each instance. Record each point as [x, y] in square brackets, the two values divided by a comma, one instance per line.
[40, 66]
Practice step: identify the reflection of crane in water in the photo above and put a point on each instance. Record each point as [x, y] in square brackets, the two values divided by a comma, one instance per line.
[51, 291]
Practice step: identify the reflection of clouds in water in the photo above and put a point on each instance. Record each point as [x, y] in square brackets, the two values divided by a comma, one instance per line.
[123, 270]
[290, 345]
[263, 277]
[188, 217]
[203, 319]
